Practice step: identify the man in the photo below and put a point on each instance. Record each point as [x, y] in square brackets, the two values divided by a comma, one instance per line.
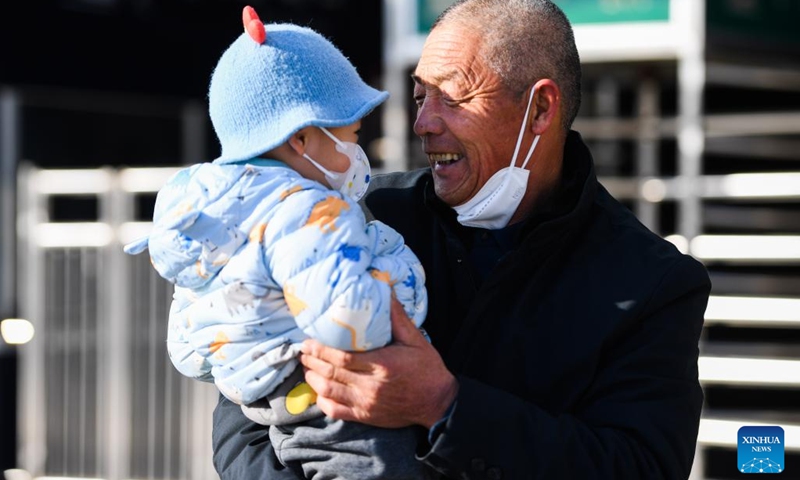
[564, 333]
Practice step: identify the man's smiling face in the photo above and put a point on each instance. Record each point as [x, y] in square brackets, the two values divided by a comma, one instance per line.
[467, 120]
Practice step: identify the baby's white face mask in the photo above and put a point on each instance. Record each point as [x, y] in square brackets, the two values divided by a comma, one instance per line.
[352, 182]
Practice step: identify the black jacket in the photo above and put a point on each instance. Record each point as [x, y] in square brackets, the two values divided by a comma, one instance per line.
[576, 356]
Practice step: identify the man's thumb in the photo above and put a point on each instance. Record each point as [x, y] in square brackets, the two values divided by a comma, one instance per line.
[403, 329]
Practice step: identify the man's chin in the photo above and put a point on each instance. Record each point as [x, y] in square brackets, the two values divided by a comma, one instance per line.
[444, 194]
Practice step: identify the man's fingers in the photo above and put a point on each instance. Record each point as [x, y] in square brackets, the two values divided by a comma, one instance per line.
[333, 398]
[317, 365]
[329, 379]
[326, 388]
[335, 410]
[315, 348]
[352, 361]
[334, 356]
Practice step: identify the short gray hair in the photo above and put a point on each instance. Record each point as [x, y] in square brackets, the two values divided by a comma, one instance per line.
[525, 41]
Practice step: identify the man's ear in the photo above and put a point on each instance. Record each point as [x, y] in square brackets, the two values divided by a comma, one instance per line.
[546, 109]
[299, 141]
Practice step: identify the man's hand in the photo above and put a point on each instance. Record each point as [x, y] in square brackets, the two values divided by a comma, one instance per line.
[404, 383]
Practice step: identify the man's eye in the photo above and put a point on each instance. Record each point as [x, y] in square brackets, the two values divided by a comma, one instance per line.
[450, 102]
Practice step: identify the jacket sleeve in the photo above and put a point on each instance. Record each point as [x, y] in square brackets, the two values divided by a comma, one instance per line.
[407, 276]
[324, 259]
[241, 447]
[182, 353]
[639, 419]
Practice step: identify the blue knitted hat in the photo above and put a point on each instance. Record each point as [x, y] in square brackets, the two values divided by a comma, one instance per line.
[262, 92]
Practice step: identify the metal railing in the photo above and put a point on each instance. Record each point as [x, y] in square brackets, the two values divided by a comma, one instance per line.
[99, 396]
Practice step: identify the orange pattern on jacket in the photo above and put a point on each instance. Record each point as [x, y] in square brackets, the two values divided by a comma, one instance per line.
[292, 190]
[220, 340]
[257, 233]
[293, 302]
[353, 335]
[381, 276]
[325, 213]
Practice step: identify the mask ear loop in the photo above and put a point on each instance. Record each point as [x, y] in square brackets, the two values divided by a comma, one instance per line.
[332, 136]
[324, 170]
[521, 134]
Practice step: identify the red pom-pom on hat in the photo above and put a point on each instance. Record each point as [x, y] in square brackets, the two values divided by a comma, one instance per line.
[253, 25]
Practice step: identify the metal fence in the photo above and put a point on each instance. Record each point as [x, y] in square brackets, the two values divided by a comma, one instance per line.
[99, 396]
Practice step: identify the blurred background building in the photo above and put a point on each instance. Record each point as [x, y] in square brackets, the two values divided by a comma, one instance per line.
[691, 109]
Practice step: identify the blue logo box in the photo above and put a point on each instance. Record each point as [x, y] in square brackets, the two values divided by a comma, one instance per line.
[761, 449]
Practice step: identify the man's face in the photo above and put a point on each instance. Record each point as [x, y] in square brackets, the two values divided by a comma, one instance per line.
[467, 120]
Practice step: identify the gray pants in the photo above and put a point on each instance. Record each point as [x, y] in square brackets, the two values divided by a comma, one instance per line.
[327, 449]
[320, 448]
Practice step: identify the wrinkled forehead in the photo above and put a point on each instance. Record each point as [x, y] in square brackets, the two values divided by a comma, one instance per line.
[450, 56]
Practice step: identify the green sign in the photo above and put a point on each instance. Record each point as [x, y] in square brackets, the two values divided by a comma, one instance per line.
[615, 11]
[758, 21]
[578, 11]
[427, 11]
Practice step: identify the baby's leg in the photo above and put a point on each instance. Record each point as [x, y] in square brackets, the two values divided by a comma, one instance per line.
[292, 402]
[327, 449]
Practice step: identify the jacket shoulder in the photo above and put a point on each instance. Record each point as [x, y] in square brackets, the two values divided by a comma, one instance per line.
[392, 196]
[638, 251]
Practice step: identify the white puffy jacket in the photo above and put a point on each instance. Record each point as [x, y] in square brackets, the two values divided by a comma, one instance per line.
[263, 258]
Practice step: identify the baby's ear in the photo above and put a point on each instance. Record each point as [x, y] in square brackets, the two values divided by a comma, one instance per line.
[299, 140]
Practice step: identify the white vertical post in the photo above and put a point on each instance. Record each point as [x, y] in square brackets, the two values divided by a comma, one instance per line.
[397, 26]
[116, 206]
[201, 402]
[690, 15]
[32, 418]
[647, 146]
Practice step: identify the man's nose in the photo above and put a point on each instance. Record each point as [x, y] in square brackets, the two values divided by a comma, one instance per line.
[429, 119]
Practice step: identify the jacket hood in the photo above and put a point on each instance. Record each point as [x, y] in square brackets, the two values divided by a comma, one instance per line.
[194, 232]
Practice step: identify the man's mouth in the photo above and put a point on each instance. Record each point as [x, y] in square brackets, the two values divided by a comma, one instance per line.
[443, 159]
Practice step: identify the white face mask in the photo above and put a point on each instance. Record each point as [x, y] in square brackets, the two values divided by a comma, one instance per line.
[352, 182]
[498, 199]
